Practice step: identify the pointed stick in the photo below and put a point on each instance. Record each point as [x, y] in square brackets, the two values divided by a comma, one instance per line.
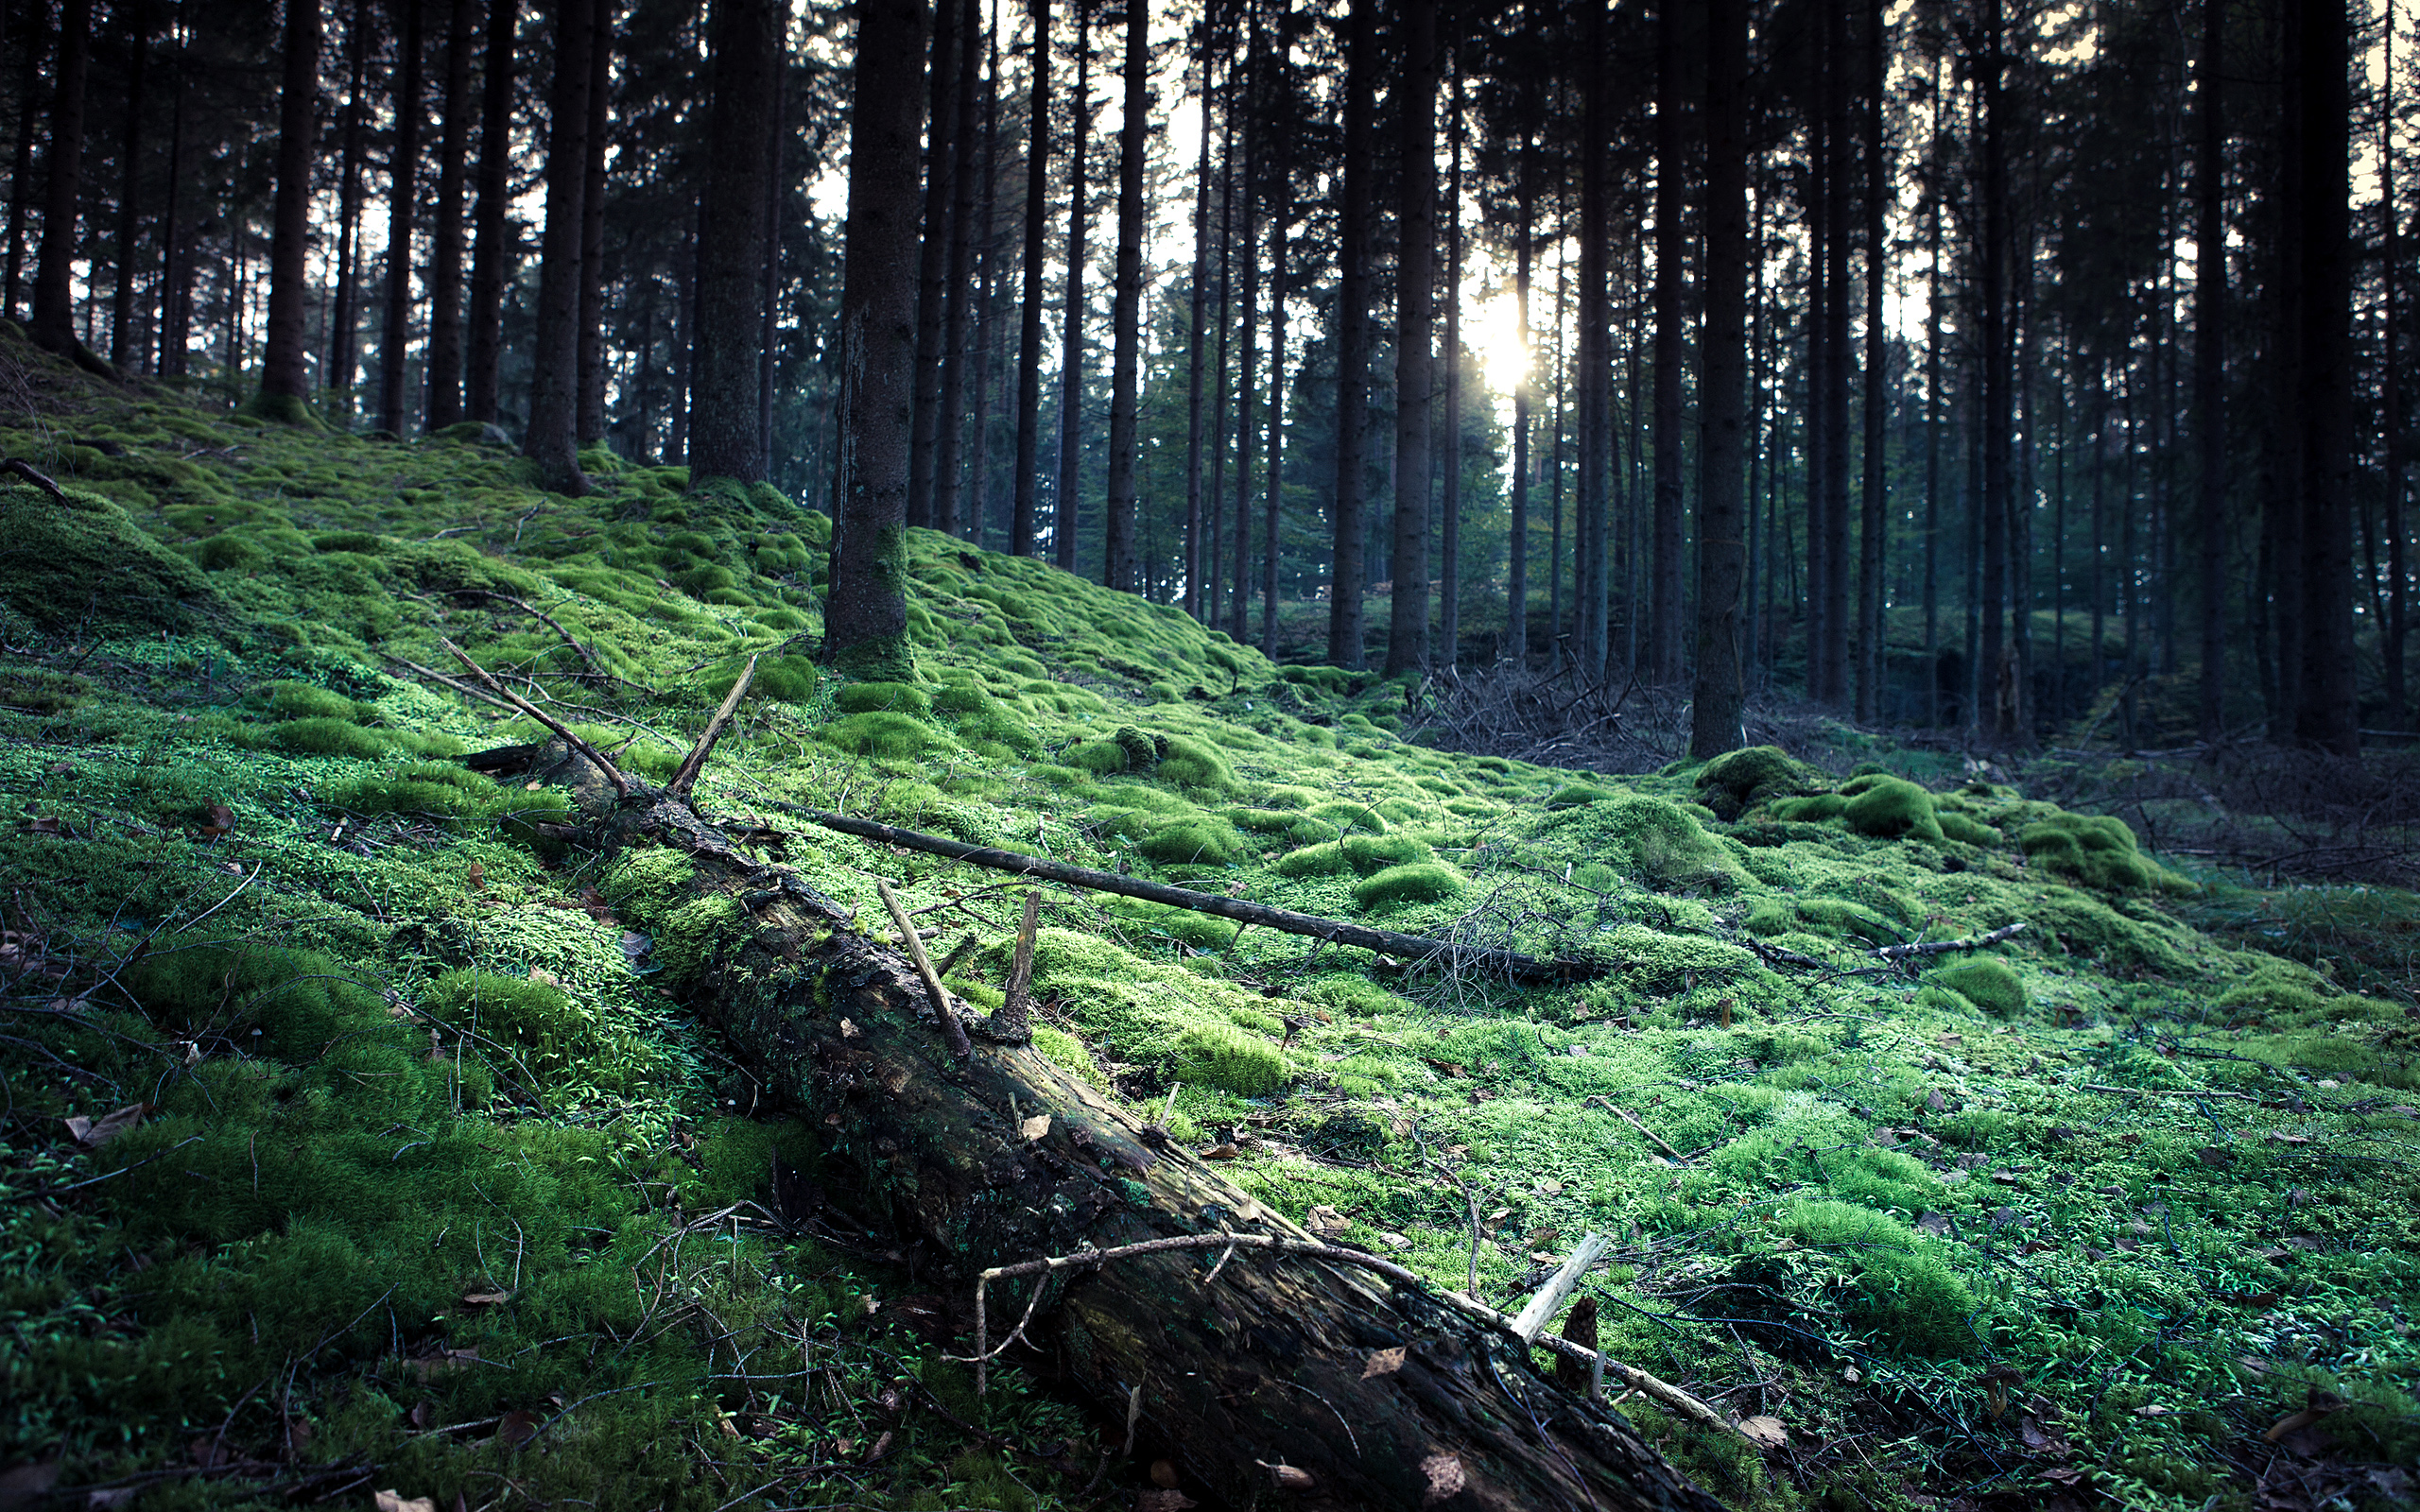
[1013, 1021]
[952, 1030]
[612, 773]
[694, 762]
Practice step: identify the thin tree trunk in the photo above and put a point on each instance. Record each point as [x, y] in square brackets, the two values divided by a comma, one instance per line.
[403, 198]
[553, 437]
[1415, 271]
[979, 478]
[1449, 501]
[2393, 637]
[1281, 220]
[21, 180]
[866, 616]
[1874, 653]
[285, 374]
[1817, 190]
[1665, 635]
[1037, 218]
[934, 293]
[1348, 580]
[1214, 508]
[53, 327]
[176, 259]
[591, 234]
[1994, 356]
[1592, 387]
[1239, 605]
[1837, 353]
[489, 259]
[1195, 336]
[731, 246]
[956, 361]
[1069, 492]
[685, 389]
[1719, 698]
[2326, 712]
[445, 255]
[1516, 600]
[1556, 629]
[124, 351]
[1119, 562]
[769, 278]
[1934, 417]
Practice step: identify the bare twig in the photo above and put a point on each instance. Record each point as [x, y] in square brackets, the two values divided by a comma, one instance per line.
[595, 757]
[1944, 947]
[952, 1030]
[1627, 1117]
[1543, 1307]
[694, 762]
[1013, 1021]
[25, 470]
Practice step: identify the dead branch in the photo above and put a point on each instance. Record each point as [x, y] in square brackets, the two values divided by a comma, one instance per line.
[27, 471]
[612, 773]
[694, 762]
[588, 658]
[1013, 1023]
[1627, 1117]
[1945, 947]
[952, 1030]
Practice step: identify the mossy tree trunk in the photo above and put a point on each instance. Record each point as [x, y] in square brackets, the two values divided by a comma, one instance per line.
[1004, 1156]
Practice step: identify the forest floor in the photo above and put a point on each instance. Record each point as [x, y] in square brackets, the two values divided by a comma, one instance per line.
[350, 1145]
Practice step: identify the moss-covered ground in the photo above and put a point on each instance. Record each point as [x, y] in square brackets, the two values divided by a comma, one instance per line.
[351, 1140]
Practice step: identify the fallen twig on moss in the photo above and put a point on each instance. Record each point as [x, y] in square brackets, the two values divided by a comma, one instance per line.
[695, 763]
[1418, 949]
[1945, 947]
[1632, 1119]
[597, 757]
[952, 1030]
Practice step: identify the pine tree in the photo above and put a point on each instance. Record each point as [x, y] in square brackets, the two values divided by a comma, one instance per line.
[553, 437]
[1415, 263]
[285, 370]
[723, 440]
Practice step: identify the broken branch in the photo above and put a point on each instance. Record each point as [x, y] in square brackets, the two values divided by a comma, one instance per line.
[612, 773]
[1944, 947]
[1013, 1021]
[952, 1030]
[1627, 1117]
[1550, 1299]
[694, 762]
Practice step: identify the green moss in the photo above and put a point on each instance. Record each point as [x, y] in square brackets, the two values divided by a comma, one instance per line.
[867, 698]
[1898, 1287]
[63, 553]
[1221, 1055]
[1421, 883]
[1741, 779]
[880, 732]
[1323, 860]
[1368, 853]
[1892, 809]
[1196, 840]
[326, 736]
[1649, 839]
[1965, 829]
[1346, 817]
[2096, 850]
[1985, 981]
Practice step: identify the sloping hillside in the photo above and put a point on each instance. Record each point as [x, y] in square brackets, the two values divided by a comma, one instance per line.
[352, 1143]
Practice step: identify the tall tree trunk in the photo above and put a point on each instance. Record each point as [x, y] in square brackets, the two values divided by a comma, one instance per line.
[685, 341]
[402, 200]
[1934, 417]
[1450, 491]
[445, 253]
[1663, 637]
[496, 240]
[1556, 628]
[125, 351]
[1214, 508]
[1282, 98]
[1592, 386]
[866, 618]
[1415, 272]
[770, 275]
[175, 260]
[285, 374]
[949, 434]
[1195, 337]
[1816, 188]
[1118, 567]
[1837, 353]
[1037, 218]
[2392, 638]
[1254, 131]
[1993, 356]
[1348, 582]
[553, 437]
[1719, 693]
[53, 327]
[1517, 596]
[2319, 48]
[933, 290]
[1069, 492]
[21, 178]
[979, 477]
[1874, 653]
[591, 234]
[731, 246]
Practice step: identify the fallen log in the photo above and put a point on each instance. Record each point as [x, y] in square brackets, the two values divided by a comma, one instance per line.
[1419, 950]
[1249, 1372]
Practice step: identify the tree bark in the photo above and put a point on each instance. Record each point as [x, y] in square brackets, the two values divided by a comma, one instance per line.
[125, 354]
[2319, 50]
[1516, 603]
[553, 437]
[445, 251]
[1720, 695]
[591, 425]
[985, 379]
[1872, 654]
[956, 361]
[53, 327]
[1592, 383]
[496, 243]
[866, 618]
[1994, 359]
[1663, 637]
[1214, 506]
[1450, 489]
[1275, 1366]
[285, 377]
[1348, 577]
[402, 201]
[1837, 353]
[20, 178]
[1245, 392]
[1815, 194]
[1119, 562]
[2393, 631]
[1068, 493]
[1281, 221]
[1037, 219]
[1195, 337]
[731, 247]
[934, 293]
[1415, 272]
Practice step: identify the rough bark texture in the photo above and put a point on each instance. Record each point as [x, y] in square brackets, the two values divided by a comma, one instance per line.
[1592, 384]
[1037, 222]
[489, 259]
[2326, 708]
[1720, 689]
[445, 255]
[1449, 483]
[1118, 562]
[1872, 657]
[1517, 606]
[553, 440]
[1349, 580]
[1069, 487]
[1270, 1366]
[1239, 594]
[866, 620]
[1993, 291]
[591, 425]
[286, 381]
[933, 291]
[1415, 263]
[957, 360]
[1195, 336]
[34, 42]
[1663, 642]
[731, 249]
[53, 327]
[402, 200]
[1281, 216]
[124, 352]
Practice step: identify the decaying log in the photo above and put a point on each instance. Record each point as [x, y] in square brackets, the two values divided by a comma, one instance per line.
[1417, 948]
[1245, 1370]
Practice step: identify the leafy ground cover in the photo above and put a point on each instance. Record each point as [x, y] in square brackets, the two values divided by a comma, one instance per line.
[352, 1140]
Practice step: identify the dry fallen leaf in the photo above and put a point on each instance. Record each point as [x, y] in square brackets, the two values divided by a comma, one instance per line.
[1446, 1478]
[1383, 1362]
[1034, 1128]
[1765, 1433]
[391, 1501]
[93, 1133]
[1291, 1478]
[1395, 1241]
[1219, 1152]
[1164, 1474]
[479, 875]
[486, 1298]
[516, 1428]
[1326, 1221]
[881, 1446]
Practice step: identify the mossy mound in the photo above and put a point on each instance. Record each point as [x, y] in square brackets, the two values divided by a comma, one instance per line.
[1650, 839]
[1741, 780]
[83, 560]
[2096, 850]
[1985, 981]
[1426, 881]
[1890, 808]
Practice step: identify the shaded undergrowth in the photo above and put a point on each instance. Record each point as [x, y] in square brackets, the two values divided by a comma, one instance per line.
[425, 1184]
